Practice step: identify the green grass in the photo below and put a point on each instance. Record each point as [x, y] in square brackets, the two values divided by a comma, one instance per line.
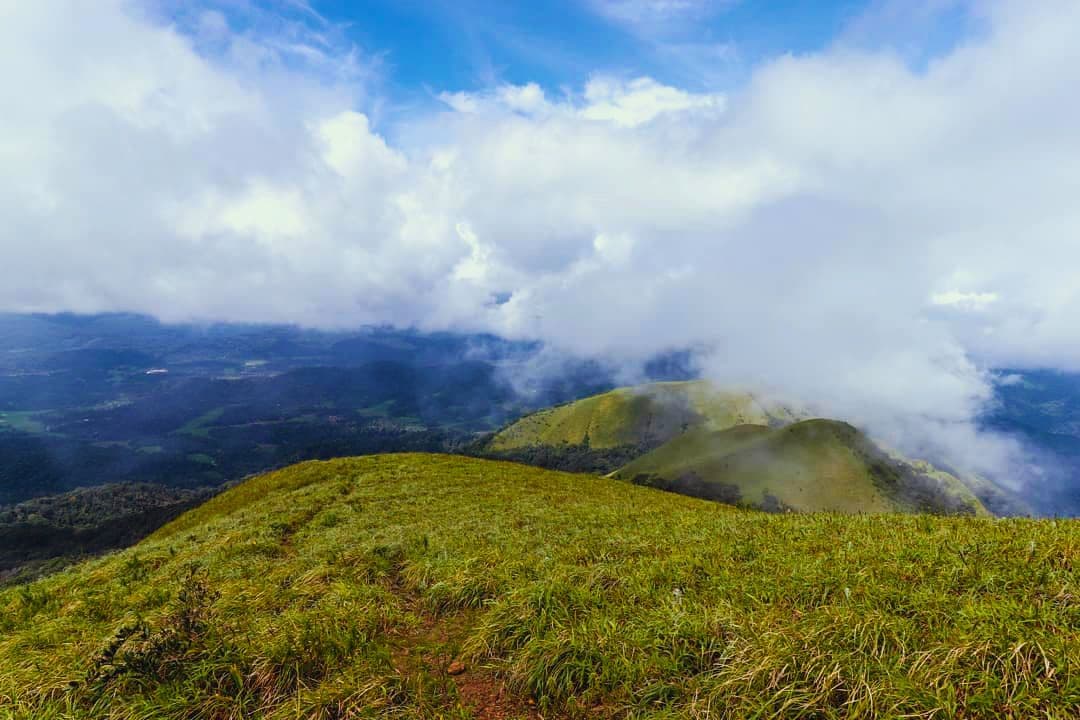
[686, 452]
[200, 426]
[343, 588]
[638, 415]
[738, 448]
[807, 466]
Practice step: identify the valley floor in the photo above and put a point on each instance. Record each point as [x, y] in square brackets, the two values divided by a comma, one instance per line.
[431, 586]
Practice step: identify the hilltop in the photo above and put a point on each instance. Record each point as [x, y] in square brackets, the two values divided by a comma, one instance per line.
[638, 417]
[738, 448]
[350, 588]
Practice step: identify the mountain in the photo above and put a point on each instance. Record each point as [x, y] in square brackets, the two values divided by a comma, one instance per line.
[603, 432]
[638, 416]
[425, 586]
[738, 448]
[812, 465]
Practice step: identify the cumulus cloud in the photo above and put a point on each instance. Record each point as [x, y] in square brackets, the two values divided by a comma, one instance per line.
[622, 103]
[639, 101]
[844, 229]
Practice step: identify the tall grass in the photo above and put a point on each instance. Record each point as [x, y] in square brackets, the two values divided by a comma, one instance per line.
[297, 594]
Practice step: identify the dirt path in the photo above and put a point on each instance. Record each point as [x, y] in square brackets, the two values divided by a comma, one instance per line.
[427, 657]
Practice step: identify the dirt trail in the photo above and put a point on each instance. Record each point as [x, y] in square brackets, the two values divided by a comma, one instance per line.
[426, 656]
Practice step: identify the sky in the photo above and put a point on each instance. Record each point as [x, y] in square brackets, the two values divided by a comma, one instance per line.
[471, 44]
[867, 206]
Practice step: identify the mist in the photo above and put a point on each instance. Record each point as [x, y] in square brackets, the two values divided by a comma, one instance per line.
[853, 231]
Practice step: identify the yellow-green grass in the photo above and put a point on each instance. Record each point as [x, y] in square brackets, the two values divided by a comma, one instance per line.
[341, 589]
[723, 409]
[808, 466]
[633, 415]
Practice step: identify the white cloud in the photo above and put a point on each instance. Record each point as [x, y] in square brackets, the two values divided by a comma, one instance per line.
[524, 98]
[641, 100]
[461, 101]
[973, 301]
[822, 230]
[607, 99]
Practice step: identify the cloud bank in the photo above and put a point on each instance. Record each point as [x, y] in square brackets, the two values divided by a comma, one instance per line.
[844, 229]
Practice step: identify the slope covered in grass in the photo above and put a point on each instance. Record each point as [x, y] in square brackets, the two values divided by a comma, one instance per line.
[691, 438]
[604, 432]
[346, 588]
[812, 465]
[646, 414]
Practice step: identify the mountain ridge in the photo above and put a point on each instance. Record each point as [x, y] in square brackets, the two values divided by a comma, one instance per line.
[680, 436]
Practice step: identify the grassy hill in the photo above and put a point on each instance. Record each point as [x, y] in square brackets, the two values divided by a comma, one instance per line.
[604, 432]
[352, 588]
[645, 415]
[812, 465]
[692, 438]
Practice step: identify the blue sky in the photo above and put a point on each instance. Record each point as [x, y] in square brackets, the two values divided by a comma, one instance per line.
[406, 53]
[428, 46]
[466, 44]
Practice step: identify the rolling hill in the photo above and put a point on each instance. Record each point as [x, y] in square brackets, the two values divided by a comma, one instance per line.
[648, 415]
[431, 586]
[812, 465]
[738, 448]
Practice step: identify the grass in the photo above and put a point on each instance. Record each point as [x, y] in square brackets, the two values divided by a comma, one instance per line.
[645, 414]
[344, 588]
[626, 416]
[808, 466]
[602, 421]
[200, 427]
[738, 448]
